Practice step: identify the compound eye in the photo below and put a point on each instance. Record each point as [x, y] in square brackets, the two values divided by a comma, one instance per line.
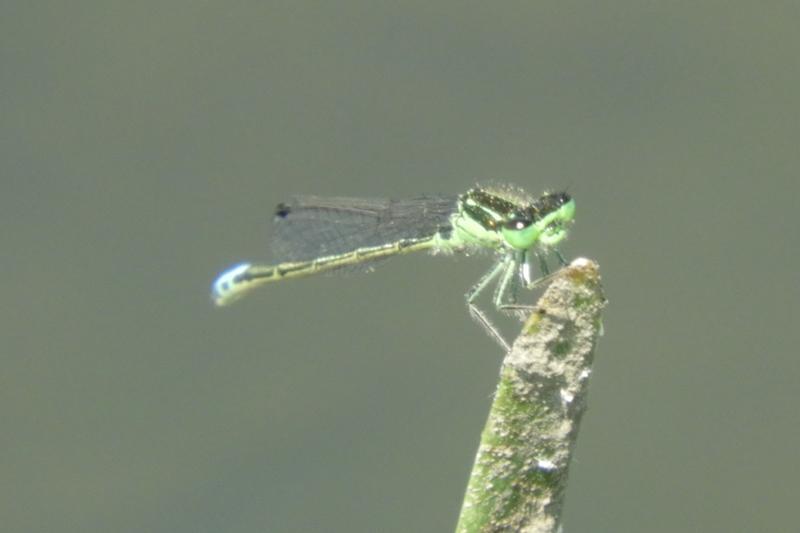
[517, 223]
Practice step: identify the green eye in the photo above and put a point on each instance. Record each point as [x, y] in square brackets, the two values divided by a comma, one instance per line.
[567, 211]
[555, 228]
[553, 233]
[520, 233]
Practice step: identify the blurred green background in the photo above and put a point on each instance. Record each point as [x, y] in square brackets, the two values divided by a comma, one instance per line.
[143, 146]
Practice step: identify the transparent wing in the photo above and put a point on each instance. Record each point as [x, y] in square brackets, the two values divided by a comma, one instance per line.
[307, 227]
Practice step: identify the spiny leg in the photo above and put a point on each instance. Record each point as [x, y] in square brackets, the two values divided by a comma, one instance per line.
[545, 267]
[546, 274]
[487, 278]
[501, 266]
[512, 269]
[502, 292]
[560, 258]
[520, 273]
[505, 297]
[543, 264]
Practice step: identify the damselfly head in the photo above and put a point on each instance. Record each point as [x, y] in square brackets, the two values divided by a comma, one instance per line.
[543, 222]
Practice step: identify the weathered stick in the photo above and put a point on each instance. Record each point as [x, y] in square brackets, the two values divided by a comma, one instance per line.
[519, 479]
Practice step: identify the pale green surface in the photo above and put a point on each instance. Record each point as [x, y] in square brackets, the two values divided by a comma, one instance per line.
[143, 146]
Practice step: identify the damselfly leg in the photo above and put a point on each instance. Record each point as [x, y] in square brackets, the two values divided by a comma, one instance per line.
[510, 271]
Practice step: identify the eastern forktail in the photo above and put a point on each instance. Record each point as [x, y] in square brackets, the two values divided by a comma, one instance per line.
[316, 234]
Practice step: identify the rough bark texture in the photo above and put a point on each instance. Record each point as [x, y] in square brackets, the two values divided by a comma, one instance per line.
[519, 479]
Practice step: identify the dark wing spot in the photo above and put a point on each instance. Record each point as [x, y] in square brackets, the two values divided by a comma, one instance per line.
[282, 211]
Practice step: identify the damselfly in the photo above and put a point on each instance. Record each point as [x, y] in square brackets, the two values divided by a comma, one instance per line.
[316, 234]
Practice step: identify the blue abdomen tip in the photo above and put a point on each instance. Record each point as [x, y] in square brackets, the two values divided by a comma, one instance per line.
[226, 287]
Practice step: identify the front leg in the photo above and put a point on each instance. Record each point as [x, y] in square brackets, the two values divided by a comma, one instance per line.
[476, 313]
[506, 293]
